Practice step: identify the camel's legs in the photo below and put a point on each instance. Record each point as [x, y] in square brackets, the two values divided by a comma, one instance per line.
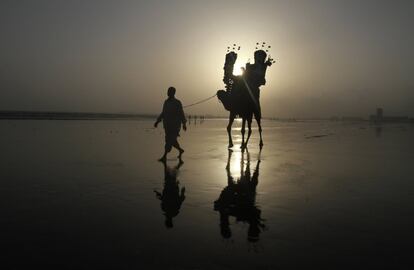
[258, 119]
[243, 130]
[228, 160]
[231, 120]
[229, 178]
[249, 126]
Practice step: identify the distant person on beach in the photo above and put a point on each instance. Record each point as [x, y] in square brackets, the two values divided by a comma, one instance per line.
[172, 116]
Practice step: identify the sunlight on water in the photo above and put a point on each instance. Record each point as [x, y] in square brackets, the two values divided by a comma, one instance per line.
[236, 164]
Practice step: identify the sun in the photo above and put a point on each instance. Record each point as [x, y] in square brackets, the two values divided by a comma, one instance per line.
[238, 69]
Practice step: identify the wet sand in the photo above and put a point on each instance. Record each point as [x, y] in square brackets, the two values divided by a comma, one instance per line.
[80, 195]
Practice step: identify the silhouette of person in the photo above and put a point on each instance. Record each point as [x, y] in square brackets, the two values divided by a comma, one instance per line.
[255, 77]
[238, 199]
[172, 116]
[171, 198]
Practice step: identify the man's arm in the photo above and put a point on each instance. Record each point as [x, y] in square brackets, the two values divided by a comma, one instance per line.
[182, 116]
[160, 117]
[158, 195]
[182, 195]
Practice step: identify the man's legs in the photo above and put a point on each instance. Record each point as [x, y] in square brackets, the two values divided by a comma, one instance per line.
[178, 147]
[167, 147]
[170, 141]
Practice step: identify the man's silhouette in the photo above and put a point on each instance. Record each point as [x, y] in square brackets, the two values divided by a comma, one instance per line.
[171, 198]
[172, 116]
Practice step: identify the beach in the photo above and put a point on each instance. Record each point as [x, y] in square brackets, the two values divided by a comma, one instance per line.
[80, 195]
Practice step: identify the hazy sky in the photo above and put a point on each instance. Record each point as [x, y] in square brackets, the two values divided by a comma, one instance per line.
[333, 57]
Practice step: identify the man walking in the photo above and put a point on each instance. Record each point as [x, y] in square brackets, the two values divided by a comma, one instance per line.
[172, 116]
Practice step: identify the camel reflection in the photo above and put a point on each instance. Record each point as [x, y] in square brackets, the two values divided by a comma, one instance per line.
[171, 198]
[238, 199]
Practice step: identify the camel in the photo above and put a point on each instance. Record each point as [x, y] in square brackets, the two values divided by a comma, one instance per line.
[242, 93]
[246, 106]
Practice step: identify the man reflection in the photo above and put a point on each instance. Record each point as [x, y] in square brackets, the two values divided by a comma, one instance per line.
[171, 198]
[238, 199]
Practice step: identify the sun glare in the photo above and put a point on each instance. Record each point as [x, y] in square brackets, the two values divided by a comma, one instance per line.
[238, 69]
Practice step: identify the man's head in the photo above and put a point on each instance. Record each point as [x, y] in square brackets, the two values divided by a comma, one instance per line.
[171, 92]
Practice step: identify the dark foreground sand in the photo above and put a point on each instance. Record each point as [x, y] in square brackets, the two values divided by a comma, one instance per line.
[80, 195]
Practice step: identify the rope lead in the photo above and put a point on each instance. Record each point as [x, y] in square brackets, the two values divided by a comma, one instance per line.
[201, 101]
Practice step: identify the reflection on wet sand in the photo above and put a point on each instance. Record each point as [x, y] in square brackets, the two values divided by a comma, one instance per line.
[238, 199]
[79, 197]
[171, 198]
